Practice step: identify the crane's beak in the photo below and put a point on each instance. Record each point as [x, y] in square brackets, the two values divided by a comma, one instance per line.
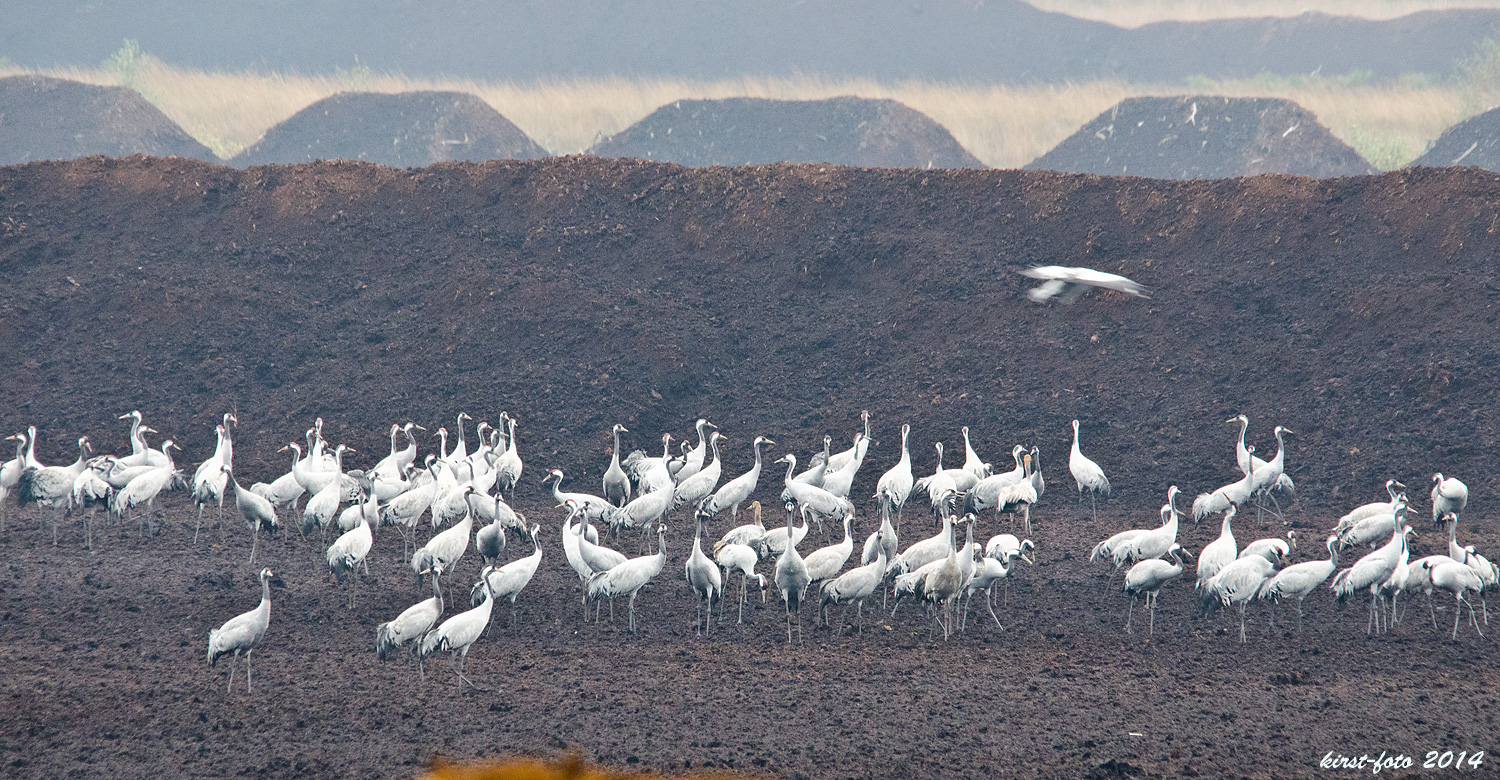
[1027, 559]
[1285, 429]
[1232, 419]
[623, 429]
[123, 417]
[770, 441]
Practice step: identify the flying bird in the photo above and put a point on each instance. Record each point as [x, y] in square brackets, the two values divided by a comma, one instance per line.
[1072, 282]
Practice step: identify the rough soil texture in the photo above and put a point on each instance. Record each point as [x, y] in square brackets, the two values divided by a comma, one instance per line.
[407, 130]
[577, 292]
[55, 119]
[1001, 40]
[1204, 137]
[1474, 141]
[750, 131]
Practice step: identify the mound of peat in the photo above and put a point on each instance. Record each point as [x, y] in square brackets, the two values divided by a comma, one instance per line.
[578, 292]
[1204, 137]
[44, 118]
[749, 131]
[1474, 141]
[406, 130]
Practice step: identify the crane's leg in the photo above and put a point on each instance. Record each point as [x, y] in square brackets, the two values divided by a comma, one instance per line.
[248, 685]
[632, 612]
[1094, 505]
[199, 524]
[1026, 514]
[1242, 622]
[232, 660]
[254, 542]
[1129, 614]
[990, 607]
[1471, 618]
[1458, 613]
[221, 516]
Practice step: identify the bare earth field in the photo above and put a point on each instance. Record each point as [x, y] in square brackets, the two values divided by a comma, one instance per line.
[578, 292]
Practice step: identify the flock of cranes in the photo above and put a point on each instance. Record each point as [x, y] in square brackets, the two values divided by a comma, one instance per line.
[465, 491]
[1230, 576]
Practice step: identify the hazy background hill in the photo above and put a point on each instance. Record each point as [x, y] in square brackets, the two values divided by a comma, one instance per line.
[998, 41]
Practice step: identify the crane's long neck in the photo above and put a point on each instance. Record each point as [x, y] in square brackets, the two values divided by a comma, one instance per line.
[338, 460]
[756, 467]
[939, 447]
[463, 445]
[31, 447]
[395, 429]
[905, 456]
[443, 443]
[83, 456]
[137, 441]
[1240, 446]
[848, 528]
[556, 488]
[713, 444]
[511, 441]
[21, 451]
[791, 466]
[702, 438]
[1076, 449]
[948, 530]
[616, 457]
[265, 594]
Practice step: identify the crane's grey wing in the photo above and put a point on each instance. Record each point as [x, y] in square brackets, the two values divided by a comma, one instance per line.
[1050, 272]
[1114, 282]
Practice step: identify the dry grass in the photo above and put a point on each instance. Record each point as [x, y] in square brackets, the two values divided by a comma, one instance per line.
[1004, 127]
[1134, 13]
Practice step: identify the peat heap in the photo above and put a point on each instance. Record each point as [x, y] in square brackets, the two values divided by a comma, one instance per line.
[406, 130]
[1204, 137]
[751, 131]
[43, 118]
[1474, 141]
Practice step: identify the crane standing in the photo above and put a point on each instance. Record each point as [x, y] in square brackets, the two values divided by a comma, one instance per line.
[895, 485]
[410, 626]
[256, 509]
[704, 579]
[629, 577]
[458, 633]
[1087, 474]
[242, 633]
